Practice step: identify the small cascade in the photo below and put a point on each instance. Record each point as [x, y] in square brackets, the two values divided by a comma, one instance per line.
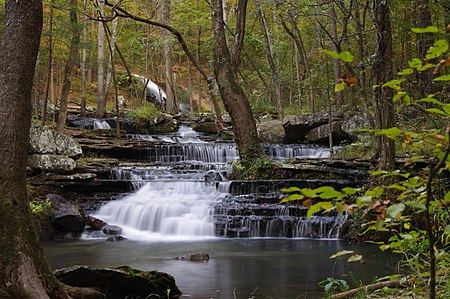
[101, 125]
[182, 193]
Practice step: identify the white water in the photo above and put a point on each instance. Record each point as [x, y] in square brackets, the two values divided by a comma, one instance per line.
[168, 210]
[177, 200]
[101, 125]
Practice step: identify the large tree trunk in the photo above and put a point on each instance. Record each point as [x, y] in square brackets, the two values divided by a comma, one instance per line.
[171, 106]
[23, 270]
[233, 96]
[111, 41]
[383, 72]
[73, 56]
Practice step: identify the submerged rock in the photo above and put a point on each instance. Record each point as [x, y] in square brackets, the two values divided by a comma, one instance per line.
[112, 230]
[115, 239]
[122, 282]
[195, 257]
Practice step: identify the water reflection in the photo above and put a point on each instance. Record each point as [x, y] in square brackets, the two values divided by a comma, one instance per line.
[271, 268]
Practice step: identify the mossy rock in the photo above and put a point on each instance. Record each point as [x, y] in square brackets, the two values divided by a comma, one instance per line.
[121, 282]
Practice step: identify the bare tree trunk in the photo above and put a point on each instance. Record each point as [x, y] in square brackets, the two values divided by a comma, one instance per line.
[190, 88]
[50, 66]
[24, 272]
[171, 105]
[101, 104]
[73, 56]
[270, 57]
[83, 63]
[233, 96]
[383, 72]
[111, 47]
[335, 48]
[36, 88]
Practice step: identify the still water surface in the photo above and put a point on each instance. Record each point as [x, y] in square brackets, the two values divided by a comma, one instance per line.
[268, 268]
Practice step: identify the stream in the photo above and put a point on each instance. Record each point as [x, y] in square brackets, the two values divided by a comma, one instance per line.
[180, 203]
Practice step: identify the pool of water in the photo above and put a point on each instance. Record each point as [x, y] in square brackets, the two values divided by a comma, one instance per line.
[266, 268]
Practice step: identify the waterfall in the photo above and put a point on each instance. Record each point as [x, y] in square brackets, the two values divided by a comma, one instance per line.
[185, 195]
[101, 125]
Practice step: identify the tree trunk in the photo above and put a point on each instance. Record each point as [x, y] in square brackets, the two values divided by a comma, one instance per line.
[73, 56]
[233, 96]
[101, 102]
[23, 269]
[111, 36]
[277, 101]
[335, 48]
[171, 106]
[383, 72]
[83, 64]
[50, 66]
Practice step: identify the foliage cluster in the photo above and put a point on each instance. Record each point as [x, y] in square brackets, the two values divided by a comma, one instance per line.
[410, 203]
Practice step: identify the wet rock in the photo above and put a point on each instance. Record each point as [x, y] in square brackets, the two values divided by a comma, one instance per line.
[195, 257]
[206, 127]
[44, 140]
[122, 282]
[271, 131]
[320, 135]
[213, 176]
[112, 230]
[297, 126]
[115, 239]
[50, 162]
[95, 223]
[68, 217]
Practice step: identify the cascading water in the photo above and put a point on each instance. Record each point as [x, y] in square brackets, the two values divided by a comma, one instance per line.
[186, 196]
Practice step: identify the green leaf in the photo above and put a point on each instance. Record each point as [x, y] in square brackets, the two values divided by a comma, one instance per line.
[395, 84]
[354, 258]
[314, 209]
[407, 236]
[309, 192]
[363, 200]
[349, 190]
[439, 48]
[392, 133]
[407, 71]
[340, 86]
[332, 54]
[398, 96]
[442, 78]
[346, 56]
[290, 189]
[447, 229]
[396, 210]
[415, 63]
[429, 29]
[436, 111]
[375, 192]
[292, 197]
[331, 194]
[341, 253]
[431, 100]
[415, 204]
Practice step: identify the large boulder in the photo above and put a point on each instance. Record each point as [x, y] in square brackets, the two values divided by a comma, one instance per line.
[320, 135]
[355, 124]
[112, 230]
[271, 131]
[68, 216]
[51, 162]
[122, 282]
[297, 126]
[44, 140]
